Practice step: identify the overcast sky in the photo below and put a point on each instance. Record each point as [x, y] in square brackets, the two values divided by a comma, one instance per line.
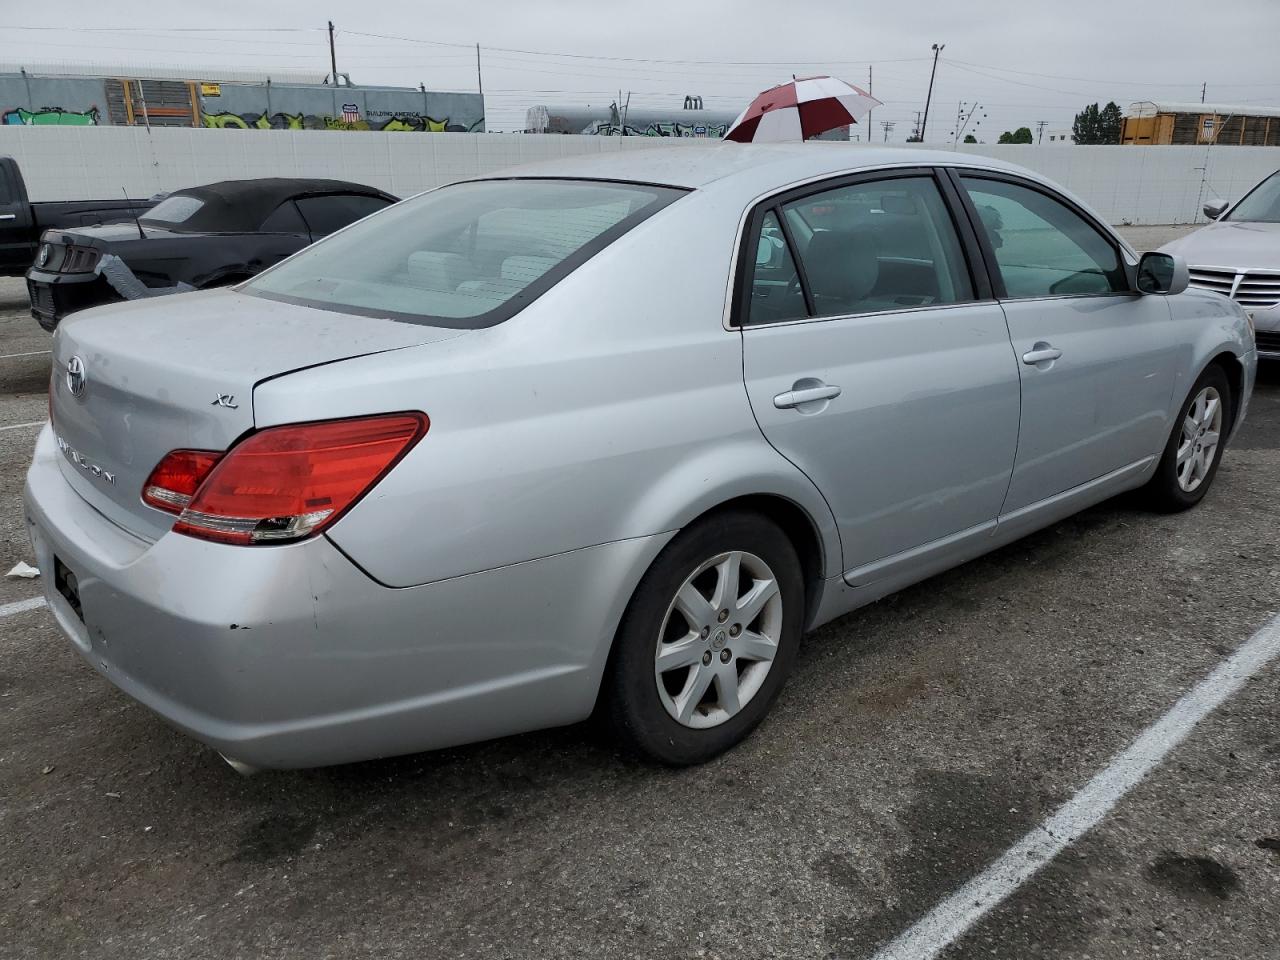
[1022, 60]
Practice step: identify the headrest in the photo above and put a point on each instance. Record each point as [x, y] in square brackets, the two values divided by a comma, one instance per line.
[436, 270]
[841, 264]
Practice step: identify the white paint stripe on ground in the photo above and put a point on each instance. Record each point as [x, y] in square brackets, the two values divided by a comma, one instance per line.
[24, 426]
[21, 606]
[33, 353]
[951, 918]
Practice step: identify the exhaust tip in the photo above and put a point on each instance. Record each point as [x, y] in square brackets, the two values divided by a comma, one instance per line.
[240, 767]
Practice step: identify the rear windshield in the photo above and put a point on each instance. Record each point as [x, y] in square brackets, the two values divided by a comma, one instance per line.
[468, 255]
[1262, 204]
[176, 208]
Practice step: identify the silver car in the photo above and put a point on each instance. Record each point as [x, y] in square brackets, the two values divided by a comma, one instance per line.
[1239, 257]
[607, 435]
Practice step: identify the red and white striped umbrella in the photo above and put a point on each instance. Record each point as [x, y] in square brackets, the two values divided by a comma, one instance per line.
[801, 109]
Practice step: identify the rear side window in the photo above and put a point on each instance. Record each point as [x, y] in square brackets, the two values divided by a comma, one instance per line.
[866, 247]
[1043, 247]
[468, 255]
[329, 214]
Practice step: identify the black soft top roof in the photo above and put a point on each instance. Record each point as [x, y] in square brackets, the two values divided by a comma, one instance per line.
[235, 206]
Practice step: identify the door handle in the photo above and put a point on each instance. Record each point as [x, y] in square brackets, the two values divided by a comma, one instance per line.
[1041, 353]
[794, 398]
[8, 216]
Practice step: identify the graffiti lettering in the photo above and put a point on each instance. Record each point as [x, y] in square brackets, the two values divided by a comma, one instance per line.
[664, 129]
[391, 122]
[51, 116]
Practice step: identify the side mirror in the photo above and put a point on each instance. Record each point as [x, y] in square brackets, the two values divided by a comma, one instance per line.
[1162, 273]
[1215, 208]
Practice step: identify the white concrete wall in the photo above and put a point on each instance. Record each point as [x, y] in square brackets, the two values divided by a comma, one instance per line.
[1125, 184]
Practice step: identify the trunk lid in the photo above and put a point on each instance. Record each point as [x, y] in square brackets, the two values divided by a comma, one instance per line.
[179, 372]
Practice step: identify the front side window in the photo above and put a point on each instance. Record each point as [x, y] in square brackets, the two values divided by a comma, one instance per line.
[1042, 246]
[866, 247]
[1261, 204]
[467, 255]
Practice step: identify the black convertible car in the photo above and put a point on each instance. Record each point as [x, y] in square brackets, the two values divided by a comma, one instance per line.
[193, 239]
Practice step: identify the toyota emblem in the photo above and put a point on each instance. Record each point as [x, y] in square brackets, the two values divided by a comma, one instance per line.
[75, 376]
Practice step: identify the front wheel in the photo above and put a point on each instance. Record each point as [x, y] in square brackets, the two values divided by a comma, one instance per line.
[707, 640]
[1194, 451]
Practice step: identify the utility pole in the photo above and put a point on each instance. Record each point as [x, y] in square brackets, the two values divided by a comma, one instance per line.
[1040, 125]
[479, 76]
[1203, 87]
[333, 57]
[871, 90]
[937, 49]
[915, 131]
[887, 126]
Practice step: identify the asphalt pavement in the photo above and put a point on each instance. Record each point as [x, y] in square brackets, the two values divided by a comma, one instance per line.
[917, 740]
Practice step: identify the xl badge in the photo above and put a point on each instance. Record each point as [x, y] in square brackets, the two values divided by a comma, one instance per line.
[76, 377]
[226, 400]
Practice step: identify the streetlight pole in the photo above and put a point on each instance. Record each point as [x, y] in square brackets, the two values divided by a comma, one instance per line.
[937, 49]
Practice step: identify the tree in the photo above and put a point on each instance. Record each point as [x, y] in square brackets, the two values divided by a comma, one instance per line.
[1098, 125]
[1021, 135]
[970, 138]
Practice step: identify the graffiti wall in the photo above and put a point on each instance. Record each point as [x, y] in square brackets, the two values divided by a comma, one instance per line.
[294, 107]
[51, 101]
[26, 100]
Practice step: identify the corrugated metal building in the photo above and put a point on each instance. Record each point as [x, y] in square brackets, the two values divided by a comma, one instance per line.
[1149, 122]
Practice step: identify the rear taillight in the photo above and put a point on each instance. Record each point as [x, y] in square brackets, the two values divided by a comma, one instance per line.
[286, 483]
[176, 478]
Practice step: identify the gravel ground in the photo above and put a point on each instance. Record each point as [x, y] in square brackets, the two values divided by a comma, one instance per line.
[916, 741]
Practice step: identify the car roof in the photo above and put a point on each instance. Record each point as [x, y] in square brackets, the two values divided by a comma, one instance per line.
[242, 205]
[693, 167]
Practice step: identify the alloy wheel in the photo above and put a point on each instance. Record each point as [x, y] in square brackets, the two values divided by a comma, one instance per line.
[1198, 444]
[718, 639]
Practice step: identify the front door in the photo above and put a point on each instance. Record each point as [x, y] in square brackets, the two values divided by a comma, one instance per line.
[1097, 360]
[872, 364]
[17, 240]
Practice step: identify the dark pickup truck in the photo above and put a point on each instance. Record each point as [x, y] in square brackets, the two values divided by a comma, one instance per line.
[22, 222]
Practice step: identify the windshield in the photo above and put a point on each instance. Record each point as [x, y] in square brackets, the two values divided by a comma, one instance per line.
[468, 255]
[1261, 204]
[177, 208]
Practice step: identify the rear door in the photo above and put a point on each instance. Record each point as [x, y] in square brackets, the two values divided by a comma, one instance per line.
[1097, 359]
[876, 360]
[17, 231]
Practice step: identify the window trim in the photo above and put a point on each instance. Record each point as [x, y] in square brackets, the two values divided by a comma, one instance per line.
[1000, 291]
[744, 263]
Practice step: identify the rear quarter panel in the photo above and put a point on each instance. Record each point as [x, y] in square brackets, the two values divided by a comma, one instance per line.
[611, 408]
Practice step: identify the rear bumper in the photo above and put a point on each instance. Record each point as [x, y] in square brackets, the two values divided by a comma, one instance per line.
[292, 657]
[54, 295]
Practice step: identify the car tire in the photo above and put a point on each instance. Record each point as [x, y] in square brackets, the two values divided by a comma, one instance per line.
[679, 633]
[1191, 457]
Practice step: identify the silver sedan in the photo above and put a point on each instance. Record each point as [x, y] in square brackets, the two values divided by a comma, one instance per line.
[604, 436]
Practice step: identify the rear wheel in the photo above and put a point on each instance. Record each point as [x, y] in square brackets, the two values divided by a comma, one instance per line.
[1194, 451]
[707, 640]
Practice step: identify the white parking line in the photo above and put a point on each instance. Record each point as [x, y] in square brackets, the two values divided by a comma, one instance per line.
[951, 918]
[33, 353]
[21, 606]
[24, 426]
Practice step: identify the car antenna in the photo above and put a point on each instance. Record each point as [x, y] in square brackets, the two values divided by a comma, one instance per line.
[136, 222]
